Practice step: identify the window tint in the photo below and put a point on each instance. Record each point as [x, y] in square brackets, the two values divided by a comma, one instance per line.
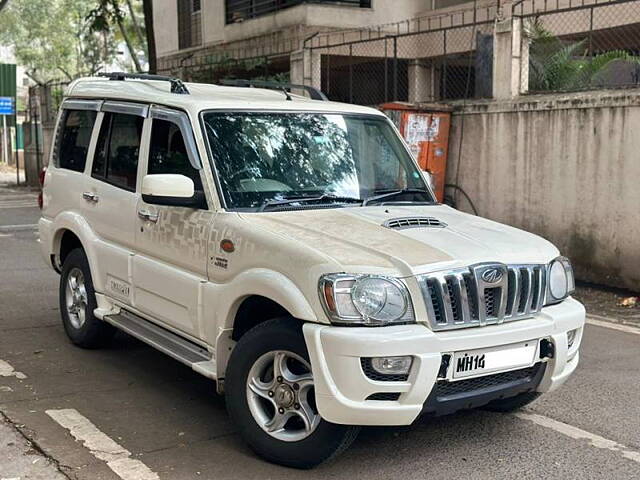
[116, 157]
[75, 135]
[100, 155]
[168, 154]
[262, 157]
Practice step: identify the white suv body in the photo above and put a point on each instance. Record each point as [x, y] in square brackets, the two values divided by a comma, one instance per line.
[405, 306]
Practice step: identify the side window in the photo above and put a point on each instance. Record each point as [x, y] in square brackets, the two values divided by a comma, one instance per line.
[74, 137]
[116, 157]
[168, 154]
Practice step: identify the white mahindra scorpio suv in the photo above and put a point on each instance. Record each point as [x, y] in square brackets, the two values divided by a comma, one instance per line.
[290, 249]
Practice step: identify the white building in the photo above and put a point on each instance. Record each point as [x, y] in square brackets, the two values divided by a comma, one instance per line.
[198, 38]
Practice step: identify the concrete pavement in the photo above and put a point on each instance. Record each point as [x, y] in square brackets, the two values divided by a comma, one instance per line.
[155, 417]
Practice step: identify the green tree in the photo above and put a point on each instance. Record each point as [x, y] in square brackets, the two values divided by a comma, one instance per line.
[110, 18]
[52, 40]
[557, 65]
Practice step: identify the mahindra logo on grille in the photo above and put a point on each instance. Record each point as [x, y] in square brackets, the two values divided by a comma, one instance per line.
[492, 275]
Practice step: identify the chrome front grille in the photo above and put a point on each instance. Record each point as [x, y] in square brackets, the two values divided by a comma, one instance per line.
[483, 294]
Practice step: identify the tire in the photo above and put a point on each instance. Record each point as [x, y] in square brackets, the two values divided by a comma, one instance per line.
[506, 405]
[295, 445]
[77, 304]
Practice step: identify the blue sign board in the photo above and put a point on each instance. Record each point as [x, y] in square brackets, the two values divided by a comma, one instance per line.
[6, 106]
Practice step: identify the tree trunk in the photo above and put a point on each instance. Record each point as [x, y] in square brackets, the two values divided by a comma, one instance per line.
[127, 40]
[147, 6]
[136, 26]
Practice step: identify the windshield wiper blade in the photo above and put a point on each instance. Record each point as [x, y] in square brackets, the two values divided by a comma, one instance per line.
[395, 193]
[288, 201]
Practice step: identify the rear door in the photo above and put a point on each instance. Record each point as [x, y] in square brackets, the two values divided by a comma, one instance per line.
[110, 194]
[170, 266]
[73, 145]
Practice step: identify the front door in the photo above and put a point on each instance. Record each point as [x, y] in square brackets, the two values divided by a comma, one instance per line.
[110, 196]
[170, 266]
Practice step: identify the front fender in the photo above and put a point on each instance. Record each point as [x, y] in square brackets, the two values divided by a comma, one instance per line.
[225, 299]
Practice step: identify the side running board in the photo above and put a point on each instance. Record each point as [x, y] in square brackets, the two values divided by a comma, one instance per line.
[165, 341]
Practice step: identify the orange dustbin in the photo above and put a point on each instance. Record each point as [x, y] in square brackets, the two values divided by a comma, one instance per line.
[425, 127]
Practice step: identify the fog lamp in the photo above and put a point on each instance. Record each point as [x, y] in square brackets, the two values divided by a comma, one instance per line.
[392, 365]
[571, 337]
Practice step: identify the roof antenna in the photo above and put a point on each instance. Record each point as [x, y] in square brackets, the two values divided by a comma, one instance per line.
[286, 94]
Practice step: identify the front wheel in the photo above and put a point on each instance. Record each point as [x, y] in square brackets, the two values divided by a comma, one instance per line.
[270, 396]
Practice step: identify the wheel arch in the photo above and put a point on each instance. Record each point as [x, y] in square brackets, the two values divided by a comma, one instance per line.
[254, 310]
[71, 231]
[251, 299]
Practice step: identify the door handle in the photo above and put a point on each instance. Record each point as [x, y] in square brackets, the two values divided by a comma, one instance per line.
[90, 197]
[148, 216]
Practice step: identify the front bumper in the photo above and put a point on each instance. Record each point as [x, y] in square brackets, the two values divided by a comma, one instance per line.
[342, 388]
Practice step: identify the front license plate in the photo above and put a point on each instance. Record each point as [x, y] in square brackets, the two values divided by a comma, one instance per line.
[472, 363]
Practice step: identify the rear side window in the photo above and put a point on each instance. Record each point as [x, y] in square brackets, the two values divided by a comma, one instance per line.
[168, 153]
[116, 157]
[74, 137]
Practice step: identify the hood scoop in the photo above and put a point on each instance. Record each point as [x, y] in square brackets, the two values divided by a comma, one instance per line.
[403, 223]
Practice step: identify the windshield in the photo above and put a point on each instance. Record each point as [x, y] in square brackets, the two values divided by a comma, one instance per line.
[323, 160]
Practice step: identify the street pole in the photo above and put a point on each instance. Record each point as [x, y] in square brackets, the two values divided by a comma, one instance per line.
[17, 154]
[4, 140]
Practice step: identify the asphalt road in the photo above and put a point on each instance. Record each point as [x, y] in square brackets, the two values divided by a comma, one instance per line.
[132, 410]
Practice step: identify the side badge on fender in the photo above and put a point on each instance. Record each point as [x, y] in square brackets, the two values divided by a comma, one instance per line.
[227, 246]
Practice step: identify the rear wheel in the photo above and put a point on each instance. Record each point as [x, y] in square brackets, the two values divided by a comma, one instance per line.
[512, 404]
[78, 301]
[270, 396]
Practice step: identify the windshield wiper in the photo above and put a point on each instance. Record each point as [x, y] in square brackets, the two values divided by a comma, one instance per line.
[395, 193]
[288, 201]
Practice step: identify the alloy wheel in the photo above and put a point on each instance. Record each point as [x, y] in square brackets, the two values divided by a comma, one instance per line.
[76, 298]
[281, 397]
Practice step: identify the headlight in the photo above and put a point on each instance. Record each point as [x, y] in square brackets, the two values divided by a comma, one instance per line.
[560, 280]
[365, 300]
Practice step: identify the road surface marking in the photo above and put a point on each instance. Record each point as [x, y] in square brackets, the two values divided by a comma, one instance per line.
[579, 434]
[101, 446]
[591, 320]
[7, 370]
[28, 226]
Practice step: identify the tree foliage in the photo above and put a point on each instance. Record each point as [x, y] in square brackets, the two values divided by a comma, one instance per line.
[64, 39]
[120, 18]
[556, 65]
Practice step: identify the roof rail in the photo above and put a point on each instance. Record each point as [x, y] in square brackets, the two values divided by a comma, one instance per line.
[176, 84]
[313, 92]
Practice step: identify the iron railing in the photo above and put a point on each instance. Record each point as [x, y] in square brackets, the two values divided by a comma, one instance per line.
[437, 57]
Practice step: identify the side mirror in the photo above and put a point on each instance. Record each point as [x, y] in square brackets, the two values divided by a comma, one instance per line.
[172, 190]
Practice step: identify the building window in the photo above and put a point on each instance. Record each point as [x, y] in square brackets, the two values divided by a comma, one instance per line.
[237, 11]
[189, 23]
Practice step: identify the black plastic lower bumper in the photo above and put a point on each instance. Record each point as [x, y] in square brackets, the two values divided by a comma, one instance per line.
[449, 397]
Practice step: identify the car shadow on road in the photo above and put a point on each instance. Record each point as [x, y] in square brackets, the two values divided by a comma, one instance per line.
[470, 433]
